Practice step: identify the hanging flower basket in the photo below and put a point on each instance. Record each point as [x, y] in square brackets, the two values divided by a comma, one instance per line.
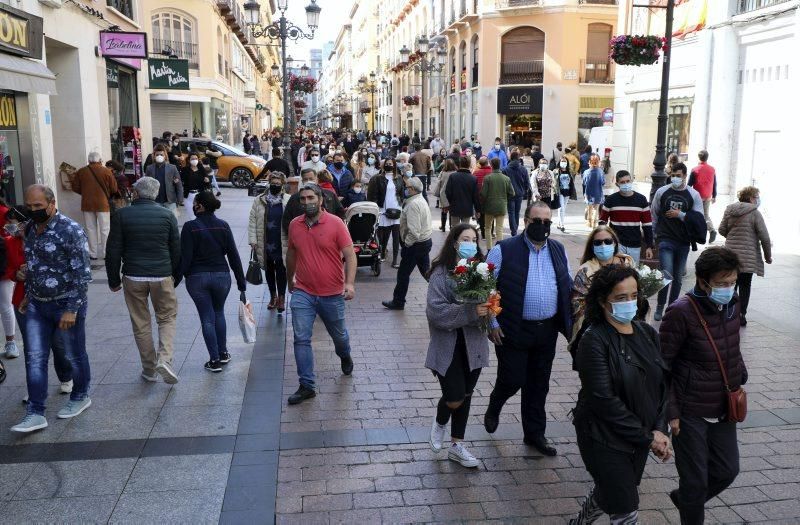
[302, 84]
[636, 50]
[300, 103]
[410, 100]
[365, 110]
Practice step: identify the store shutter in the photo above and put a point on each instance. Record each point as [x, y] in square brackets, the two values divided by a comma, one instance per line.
[170, 116]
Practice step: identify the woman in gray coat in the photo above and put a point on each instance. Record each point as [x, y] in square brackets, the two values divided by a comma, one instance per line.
[458, 348]
[745, 232]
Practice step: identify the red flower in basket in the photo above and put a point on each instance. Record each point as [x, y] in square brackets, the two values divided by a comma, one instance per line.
[491, 267]
[460, 269]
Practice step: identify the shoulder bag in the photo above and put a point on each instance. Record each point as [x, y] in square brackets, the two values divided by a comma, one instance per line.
[254, 275]
[737, 399]
[112, 207]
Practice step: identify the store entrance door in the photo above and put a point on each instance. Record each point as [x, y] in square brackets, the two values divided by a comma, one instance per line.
[524, 131]
[10, 169]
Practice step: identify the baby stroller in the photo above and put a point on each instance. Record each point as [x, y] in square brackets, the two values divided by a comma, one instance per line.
[361, 219]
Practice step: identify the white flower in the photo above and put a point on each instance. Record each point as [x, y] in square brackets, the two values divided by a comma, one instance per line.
[483, 270]
[51, 282]
[659, 275]
[462, 262]
[49, 247]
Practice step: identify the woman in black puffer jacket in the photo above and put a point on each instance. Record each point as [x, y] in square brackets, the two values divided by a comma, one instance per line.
[706, 451]
[620, 415]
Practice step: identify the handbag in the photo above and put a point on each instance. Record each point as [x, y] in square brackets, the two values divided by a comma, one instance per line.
[392, 213]
[737, 399]
[112, 206]
[254, 275]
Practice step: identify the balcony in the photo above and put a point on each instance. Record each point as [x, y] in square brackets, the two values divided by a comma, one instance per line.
[522, 72]
[597, 72]
[185, 50]
[597, 2]
[224, 6]
[745, 6]
[510, 4]
[123, 6]
[475, 75]
[462, 12]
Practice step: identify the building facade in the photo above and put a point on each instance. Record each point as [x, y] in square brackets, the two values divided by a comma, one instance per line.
[61, 98]
[729, 84]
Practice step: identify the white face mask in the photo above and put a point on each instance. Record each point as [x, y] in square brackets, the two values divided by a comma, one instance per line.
[497, 146]
[357, 190]
[159, 158]
[543, 167]
[370, 161]
[315, 158]
[193, 162]
[563, 164]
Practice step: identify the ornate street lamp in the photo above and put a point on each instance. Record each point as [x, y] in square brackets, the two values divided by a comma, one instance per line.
[282, 30]
[369, 87]
[423, 66]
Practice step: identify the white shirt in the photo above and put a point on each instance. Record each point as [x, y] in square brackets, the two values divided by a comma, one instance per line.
[389, 202]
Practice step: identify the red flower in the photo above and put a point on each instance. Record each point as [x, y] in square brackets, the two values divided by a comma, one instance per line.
[491, 267]
[460, 269]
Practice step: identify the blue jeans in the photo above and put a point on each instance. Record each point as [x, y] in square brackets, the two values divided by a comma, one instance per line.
[42, 327]
[672, 258]
[60, 362]
[209, 290]
[514, 206]
[634, 252]
[305, 308]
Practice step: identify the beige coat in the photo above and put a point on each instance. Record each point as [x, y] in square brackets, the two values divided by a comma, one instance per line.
[744, 230]
[440, 193]
[256, 227]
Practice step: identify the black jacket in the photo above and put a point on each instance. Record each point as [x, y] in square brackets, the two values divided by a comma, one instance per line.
[376, 189]
[195, 180]
[615, 404]
[205, 243]
[292, 209]
[462, 194]
[519, 176]
[145, 238]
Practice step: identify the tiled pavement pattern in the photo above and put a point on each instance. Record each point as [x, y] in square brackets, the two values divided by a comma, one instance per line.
[358, 452]
[226, 448]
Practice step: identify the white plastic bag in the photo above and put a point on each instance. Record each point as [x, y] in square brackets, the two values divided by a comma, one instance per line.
[247, 322]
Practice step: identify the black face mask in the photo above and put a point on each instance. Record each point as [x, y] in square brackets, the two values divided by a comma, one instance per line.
[537, 232]
[39, 216]
[338, 165]
[388, 167]
[274, 189]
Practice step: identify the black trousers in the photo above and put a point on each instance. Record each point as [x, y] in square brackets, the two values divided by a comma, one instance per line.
[417, 255]
[383, 237]
[616, 474]
[276, 277]
[444, 219]
[707, 459]
[525, 363]
[743, 283]
[457, 385]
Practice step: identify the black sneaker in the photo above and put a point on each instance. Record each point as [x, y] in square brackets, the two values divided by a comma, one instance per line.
[391, 305]
[213, 366]
[224, 358]
[301, 395]
[712, 236]
[347, 365]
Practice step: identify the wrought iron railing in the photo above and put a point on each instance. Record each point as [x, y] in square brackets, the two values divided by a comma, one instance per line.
[185, 50]
[598, 2]
[505, 4]
[522, 72]
[751, 5]
[123, 6]
[597, 71]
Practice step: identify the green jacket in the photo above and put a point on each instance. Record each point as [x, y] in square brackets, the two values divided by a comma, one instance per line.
[144, 242]
[495, 193]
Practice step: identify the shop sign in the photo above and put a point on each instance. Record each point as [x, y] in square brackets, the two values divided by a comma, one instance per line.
[20, 32]
[168, 73]
[112, 76]
[8, 111]
[607, 115]
[123, 44]
[519, 101]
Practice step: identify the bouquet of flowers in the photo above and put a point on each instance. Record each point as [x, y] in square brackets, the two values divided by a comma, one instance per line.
[636, 50]
[411, 100]
[474, 283]
[652, 281]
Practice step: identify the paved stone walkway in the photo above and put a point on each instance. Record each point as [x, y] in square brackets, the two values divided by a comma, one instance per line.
[226, 448]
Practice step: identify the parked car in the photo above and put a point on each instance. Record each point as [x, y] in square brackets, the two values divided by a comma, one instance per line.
[234, 165]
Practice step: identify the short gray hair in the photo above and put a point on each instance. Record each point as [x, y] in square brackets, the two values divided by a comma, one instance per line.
[415, 183]
[147, 188]
[310, 186]
[94, 157]
[49, 194]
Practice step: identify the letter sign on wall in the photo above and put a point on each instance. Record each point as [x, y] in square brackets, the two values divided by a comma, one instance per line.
[20, 33]
[519, 101]
[8, 111]
[123, 44]
[168, 73]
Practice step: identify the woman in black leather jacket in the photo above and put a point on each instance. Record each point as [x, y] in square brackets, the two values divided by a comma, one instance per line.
[621, 409]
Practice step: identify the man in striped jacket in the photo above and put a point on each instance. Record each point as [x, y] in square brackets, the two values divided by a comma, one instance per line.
[628, 213]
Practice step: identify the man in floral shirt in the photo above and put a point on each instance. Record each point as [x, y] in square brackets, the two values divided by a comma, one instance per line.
[56, 251]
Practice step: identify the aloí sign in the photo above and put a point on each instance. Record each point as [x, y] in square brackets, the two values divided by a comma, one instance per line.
[168, 73]
[519, 101]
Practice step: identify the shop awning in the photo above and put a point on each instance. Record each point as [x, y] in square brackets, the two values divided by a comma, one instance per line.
[26, 76]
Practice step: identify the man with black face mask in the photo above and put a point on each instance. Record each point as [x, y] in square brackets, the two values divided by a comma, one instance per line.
[533, 278]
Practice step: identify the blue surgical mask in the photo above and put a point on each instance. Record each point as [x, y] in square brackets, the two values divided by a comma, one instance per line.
[758, 202]
[624, 311]
[677, 182]
[604, 252]
[721, 296]
[626, 188]
[467, 250]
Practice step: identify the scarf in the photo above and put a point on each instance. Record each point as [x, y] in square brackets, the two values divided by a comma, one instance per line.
[272, 200]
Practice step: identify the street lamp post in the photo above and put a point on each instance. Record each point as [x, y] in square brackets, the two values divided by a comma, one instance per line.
[423, 66]
[659, 177]
[370, 87]
[282, 30]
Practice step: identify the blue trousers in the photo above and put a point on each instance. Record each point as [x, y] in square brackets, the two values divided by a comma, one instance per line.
[672, 258]
[514, 208]
[209, 290]
[42, 321]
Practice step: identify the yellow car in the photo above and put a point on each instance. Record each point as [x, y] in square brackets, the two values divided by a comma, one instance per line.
[232, 164]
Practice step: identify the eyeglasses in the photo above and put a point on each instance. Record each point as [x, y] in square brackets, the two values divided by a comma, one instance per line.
[600, 242]
[546, 222]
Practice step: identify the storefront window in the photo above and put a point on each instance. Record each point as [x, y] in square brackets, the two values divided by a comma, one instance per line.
[474, 111]
[587, 121]
[123, 111]
[523, 130]
[453, 119]
[10, 170]
[463, 130]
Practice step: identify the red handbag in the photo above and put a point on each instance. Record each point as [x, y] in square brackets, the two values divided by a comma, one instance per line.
[737, 399]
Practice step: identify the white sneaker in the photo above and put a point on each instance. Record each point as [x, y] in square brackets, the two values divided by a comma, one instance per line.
[66, 387]
[11, 351]
[437, 435]
[30, 423]
[460, 454]
[150, 378]
[169, 376]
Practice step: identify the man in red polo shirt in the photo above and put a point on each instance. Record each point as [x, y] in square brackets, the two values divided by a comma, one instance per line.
[704, 179]
[319, 284]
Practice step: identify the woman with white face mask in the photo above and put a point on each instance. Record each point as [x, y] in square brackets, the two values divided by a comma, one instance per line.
[195, 179]
[371, 168]
[566, 190]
